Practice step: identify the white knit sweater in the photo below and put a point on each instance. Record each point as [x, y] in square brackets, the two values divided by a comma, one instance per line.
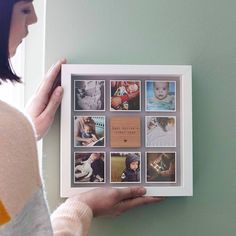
[23, 208]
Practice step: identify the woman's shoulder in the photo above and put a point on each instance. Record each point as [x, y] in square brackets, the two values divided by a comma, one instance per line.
[12, 118]
[8, 110]
[18, 158]
[16, 131]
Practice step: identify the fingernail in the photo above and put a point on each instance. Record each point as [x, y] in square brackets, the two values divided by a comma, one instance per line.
[58, 91]
[63, 60]
[141, 190]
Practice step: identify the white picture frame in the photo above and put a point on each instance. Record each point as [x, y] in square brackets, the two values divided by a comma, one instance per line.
[181, 78]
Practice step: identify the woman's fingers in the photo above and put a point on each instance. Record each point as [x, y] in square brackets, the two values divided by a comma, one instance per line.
[132, 192]
[53, 103]
[47, 84]
[45, 102]
[138, 201]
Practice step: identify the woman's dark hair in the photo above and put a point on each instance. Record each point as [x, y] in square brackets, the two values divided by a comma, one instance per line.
[6, 71]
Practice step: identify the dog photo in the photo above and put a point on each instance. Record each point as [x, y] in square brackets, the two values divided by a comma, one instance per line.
[89, 167]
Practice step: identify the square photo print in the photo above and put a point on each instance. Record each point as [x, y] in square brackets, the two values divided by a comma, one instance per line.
[160, 167]
[125, 95]
[160, 95]
[89, 131]
[89, 167]
[160, 131]
[125, 167]
[89, 95]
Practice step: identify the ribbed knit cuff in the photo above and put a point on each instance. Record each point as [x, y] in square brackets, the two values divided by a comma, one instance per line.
[80, 209]
[72, 218]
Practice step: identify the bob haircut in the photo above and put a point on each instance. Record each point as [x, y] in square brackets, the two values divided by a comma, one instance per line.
[6, 71]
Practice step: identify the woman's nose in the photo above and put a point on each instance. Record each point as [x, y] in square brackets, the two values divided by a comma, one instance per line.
[32, 18]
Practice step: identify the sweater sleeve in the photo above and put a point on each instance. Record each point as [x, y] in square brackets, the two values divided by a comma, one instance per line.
[72, 218]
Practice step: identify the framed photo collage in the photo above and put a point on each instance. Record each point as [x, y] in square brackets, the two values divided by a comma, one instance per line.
[126, 125]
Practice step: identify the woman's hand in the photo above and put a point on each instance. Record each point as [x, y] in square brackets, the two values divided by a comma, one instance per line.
[44, 103]
[113, 202]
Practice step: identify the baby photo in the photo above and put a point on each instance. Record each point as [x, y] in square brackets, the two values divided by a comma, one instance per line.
[89, 131]
[89, 95]
[125, 167]
[125, 95]
[160, 131]
[160, 95]
[160, 167]
[89, 167]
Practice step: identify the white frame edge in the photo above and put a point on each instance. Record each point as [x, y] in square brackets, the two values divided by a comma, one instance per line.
[184, 72]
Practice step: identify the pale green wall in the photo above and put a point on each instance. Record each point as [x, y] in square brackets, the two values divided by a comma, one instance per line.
[34, 52]
[197, 32]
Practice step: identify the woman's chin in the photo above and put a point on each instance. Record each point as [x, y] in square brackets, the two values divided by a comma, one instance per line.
[12, 53]
[13, 50]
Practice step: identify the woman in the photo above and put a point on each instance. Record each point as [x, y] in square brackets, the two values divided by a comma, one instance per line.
[22, 203]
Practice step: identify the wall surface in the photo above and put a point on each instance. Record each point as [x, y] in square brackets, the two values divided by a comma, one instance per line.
[200, 33]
